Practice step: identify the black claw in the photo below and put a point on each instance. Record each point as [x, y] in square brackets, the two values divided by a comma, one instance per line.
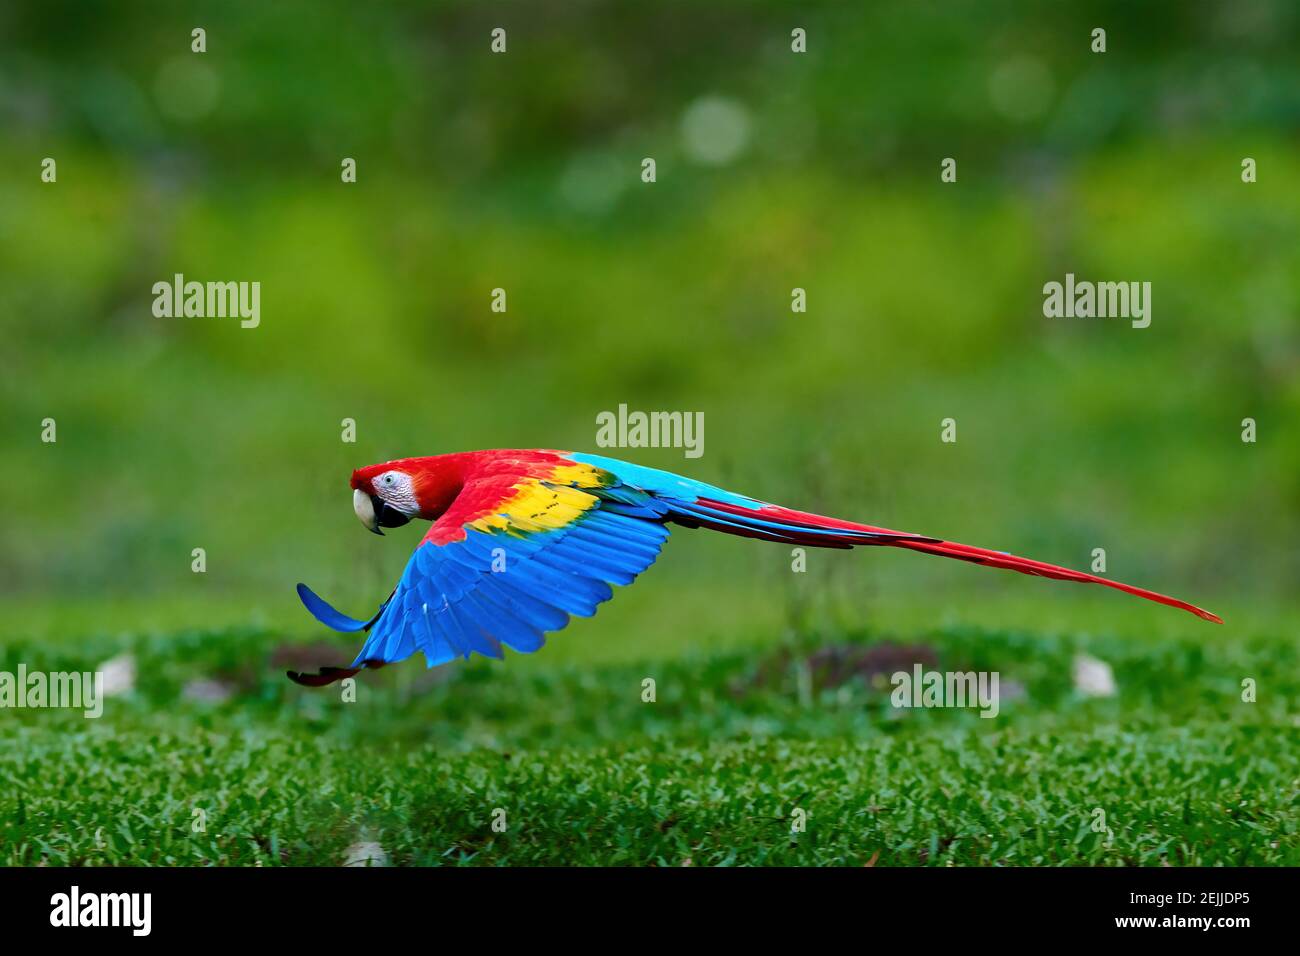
[328, 675]
[325, 677]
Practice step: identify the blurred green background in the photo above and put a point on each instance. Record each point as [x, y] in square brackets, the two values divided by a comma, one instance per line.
[775, 171]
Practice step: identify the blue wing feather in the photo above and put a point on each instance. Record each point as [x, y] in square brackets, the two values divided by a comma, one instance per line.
[331, 618]
[504, 587]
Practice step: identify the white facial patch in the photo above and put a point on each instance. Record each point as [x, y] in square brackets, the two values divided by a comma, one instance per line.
[396, 488]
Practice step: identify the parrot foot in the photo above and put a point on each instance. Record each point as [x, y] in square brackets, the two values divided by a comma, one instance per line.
[328, 675]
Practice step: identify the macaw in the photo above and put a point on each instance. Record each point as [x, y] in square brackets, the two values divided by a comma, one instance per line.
[521, 540]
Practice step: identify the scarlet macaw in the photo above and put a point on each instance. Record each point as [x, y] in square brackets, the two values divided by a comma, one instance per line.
[521, 539]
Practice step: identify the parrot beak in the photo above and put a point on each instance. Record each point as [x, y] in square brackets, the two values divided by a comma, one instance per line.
[375, 513]
[365, 509]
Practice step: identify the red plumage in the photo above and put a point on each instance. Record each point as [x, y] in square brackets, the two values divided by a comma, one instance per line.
[947, 549]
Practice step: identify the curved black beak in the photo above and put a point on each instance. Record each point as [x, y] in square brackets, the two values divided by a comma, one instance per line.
[386, 516]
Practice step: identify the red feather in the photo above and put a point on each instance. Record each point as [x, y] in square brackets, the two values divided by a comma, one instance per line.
[947, 549]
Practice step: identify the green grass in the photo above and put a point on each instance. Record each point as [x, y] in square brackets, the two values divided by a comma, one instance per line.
[710, 773]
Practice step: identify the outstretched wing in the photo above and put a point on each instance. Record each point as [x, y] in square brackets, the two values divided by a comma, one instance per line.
[509, 561]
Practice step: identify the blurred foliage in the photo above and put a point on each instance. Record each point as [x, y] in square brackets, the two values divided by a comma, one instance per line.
[522, 171]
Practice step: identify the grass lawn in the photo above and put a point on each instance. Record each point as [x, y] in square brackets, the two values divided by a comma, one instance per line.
[213, 757]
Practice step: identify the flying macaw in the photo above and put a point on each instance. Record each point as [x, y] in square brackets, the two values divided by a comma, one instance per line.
[520, 540]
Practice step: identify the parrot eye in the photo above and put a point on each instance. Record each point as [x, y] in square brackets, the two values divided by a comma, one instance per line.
[388, 479]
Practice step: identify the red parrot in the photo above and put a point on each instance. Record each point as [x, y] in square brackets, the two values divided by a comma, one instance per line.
[521, 539]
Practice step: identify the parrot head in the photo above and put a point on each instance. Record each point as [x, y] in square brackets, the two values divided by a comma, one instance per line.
[385, 495]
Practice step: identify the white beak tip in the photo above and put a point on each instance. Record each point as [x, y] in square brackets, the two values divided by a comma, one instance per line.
[365, 509]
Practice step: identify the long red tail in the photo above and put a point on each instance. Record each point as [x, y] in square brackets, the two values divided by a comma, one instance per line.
[774, 523]
[1000, 559]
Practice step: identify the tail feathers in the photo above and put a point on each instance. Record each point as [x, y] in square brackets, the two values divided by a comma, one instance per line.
[774, 523]
[1000, 559]
[324, 612]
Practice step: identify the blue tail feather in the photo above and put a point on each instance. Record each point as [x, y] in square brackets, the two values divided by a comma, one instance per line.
[331, 618]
